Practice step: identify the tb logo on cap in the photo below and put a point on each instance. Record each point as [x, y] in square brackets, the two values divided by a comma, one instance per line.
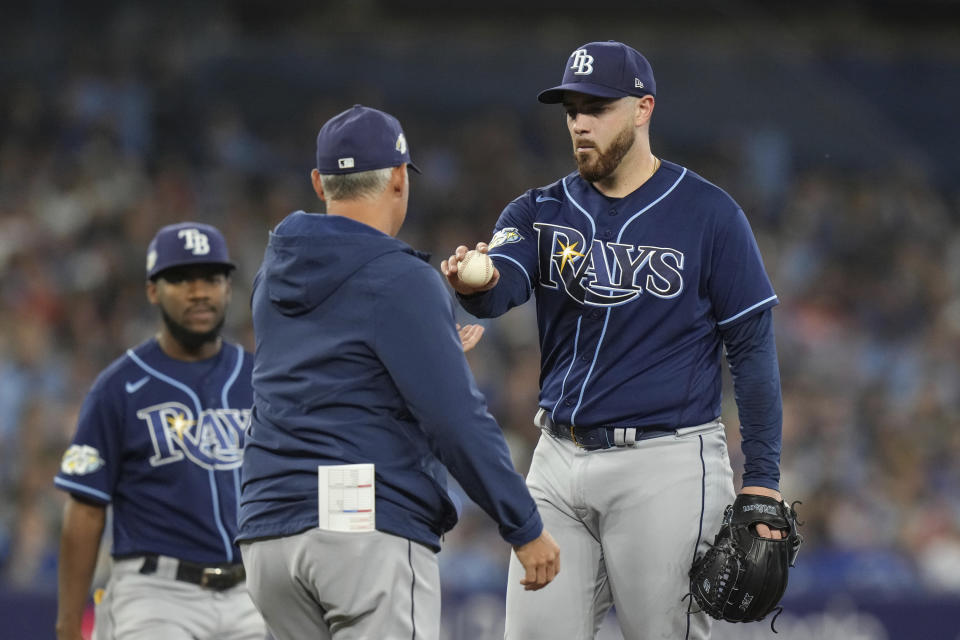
[582, 63]
[195, 241]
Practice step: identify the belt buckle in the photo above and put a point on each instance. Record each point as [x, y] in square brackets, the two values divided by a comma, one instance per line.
[573, 436]
[214, 578]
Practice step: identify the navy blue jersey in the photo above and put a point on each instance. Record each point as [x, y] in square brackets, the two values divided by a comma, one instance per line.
[631, 295]
[161, 440]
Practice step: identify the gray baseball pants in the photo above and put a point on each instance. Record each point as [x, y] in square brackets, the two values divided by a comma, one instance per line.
[331, 585]
[628, 521]
[158, 607]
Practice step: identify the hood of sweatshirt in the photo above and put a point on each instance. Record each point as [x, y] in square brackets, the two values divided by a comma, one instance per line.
[310, 255]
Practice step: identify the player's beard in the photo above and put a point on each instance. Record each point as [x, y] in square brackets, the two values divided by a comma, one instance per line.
[191, 340]
[606, 161]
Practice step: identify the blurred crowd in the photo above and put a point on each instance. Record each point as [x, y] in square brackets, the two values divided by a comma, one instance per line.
[99, 151]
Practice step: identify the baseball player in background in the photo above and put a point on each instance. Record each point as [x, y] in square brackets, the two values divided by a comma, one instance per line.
[362, 402]
[644, 273]
[159, 438]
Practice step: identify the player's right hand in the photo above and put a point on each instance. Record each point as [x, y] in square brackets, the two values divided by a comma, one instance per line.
[541, 560]
[449, 269]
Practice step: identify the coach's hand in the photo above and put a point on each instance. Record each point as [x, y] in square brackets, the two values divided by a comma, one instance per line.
[449, 268]
[470, 335]
[541, 559]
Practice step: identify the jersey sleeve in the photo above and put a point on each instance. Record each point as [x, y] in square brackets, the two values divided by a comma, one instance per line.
[738, 283]
[513, 249]
[752, 354]
[515, 240]
[91, 463]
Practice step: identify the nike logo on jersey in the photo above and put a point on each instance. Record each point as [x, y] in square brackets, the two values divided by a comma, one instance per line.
[605, 274]
[541, 198]
[133, 387]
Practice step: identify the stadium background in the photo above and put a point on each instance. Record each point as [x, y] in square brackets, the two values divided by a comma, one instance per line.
[834, 124]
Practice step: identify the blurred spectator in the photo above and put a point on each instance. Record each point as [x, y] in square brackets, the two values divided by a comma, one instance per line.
[166, 114]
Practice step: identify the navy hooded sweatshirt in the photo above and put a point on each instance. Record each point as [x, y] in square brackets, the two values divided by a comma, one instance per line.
[358, 360]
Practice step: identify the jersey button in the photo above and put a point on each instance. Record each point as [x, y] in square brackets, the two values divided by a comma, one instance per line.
[606, 233]
[568, 402]
[613, 212]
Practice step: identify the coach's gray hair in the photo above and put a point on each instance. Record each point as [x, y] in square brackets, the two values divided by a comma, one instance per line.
[355, 186]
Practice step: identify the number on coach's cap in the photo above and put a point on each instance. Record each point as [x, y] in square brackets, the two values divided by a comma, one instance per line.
[361, 139]
[604, 69]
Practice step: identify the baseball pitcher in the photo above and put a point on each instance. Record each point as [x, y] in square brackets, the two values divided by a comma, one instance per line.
[644, 274]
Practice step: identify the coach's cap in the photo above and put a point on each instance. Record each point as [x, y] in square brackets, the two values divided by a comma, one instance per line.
[605, 69]
[186, 243]
[361, 139]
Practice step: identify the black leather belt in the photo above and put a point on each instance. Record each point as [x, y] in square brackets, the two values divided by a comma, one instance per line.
[218, 577]
[595, 438]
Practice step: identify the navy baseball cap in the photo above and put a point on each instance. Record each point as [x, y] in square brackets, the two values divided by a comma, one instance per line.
[361, 139]
[605, 69]
[186, 243]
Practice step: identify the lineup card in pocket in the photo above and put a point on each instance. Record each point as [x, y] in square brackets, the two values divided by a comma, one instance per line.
[345, 494]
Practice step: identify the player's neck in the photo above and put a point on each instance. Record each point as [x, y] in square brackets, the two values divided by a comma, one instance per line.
[369, 212]
[634, 170]
[179, 351]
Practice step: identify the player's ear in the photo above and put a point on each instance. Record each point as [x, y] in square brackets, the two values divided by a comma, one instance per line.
[317, 184]
[152, 291]
[644, 109]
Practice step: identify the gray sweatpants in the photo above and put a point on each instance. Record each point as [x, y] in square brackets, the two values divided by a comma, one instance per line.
[330, 585]
[627, 521]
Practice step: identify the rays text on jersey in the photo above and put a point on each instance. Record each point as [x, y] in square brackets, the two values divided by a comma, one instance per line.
[605, 274]
[212, 441]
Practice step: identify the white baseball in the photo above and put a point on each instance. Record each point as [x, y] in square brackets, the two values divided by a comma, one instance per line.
[475, 269]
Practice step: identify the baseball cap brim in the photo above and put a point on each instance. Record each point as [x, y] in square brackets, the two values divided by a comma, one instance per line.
[555, 95]
[355, 169]
[157, 271]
